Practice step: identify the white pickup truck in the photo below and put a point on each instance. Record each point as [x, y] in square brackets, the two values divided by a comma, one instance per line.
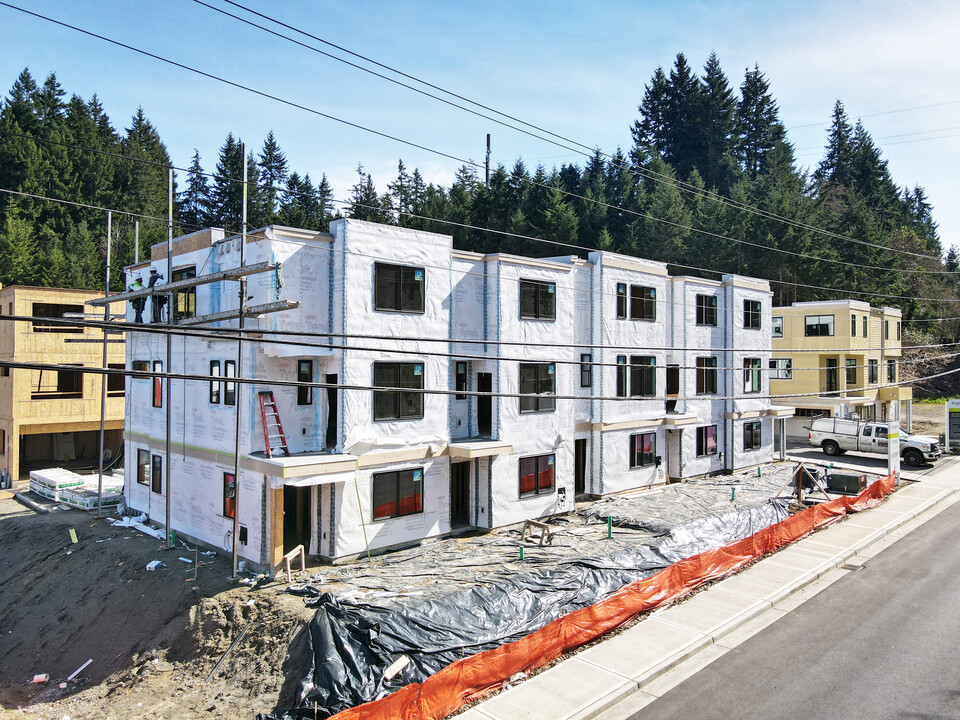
[836, 435]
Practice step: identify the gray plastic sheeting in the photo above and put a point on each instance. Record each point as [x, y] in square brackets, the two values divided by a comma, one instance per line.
[352, 645]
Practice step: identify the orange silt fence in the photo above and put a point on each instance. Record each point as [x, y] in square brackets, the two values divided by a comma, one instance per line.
[466, 680]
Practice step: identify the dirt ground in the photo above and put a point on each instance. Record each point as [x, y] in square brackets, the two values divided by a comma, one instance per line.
[928, 419]
[153, 637]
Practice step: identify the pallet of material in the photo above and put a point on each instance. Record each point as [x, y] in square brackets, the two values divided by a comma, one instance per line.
[85, 498]
[49, 483]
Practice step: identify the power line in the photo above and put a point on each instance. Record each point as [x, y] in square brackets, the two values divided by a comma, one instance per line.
[633, 168]
[878, 114]
[438, 152]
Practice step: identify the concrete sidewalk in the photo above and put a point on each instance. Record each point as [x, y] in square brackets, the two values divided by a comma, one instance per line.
[617, 677]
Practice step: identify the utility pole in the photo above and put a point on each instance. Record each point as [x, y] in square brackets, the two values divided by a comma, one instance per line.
[103, 378]
[487, 180]
[238, 386]
[169, 393]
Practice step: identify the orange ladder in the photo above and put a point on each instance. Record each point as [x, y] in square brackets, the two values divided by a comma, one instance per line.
[272, 429]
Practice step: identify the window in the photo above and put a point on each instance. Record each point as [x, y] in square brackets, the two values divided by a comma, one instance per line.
[643, 376]
[751, 435]
[621, 375]
[538, 300]
[867, 431]
[851, 371]
[214, 383]
[751, 375]
[538, 380]
[229, 388]
[156, 474]
[157, 385]
[818, 326]
[141, 368]
[873, 369]
[184, 301]
[751, 314]
[891, 370]
[886, 329]
[863, 326]
[898, 330]
[401, 404]
[643, 449]
[706, 440]
[143, 466]
[116, 383]
[63, 384]
[586, 370]
[622, 301]
[397, 493]
[229, 494]
[853, 326]
[4, 371]
[304, 375]
[398, 288]
[777, 326]
[707, 310]
[781, 369]
[3, 442]
[53, 310]
[536, 475]
[706, 375]
[461, 379]
[643, 303]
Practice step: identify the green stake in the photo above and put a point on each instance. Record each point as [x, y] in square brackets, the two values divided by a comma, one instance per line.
[521, 552]
[733, 494]
[609, 527]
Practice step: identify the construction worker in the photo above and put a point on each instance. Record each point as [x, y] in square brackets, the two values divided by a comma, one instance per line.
[159, 301]
[139, 302]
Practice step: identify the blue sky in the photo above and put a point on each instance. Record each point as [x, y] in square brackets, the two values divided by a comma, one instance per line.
[576, 69]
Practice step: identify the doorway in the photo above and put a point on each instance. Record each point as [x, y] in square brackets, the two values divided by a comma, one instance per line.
[296, 517]
[832, 375]
[579, 466]
[330, 442]
[460, 494]
[484, 404]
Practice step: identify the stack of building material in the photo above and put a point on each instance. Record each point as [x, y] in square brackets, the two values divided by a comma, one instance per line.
[51, 482]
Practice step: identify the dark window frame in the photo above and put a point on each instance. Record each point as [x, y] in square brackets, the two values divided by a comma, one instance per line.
[460, 379]
[157, 366]
[229, 388]
[781, 368]
[214, 393]
[621, 301]
[143, 466]
[638, 457]
[156, 474]
[414, 408]
[643, 376]
[414, 479]
[544, 466]
[304, 374]
[707, 310]
[643, 303]
[703, 447]
[873, 371]
[820, 327]
[540, 398]
[184, 301]
[776, 326]
[544, 297]
[707, 375]
[850, 368]
[54, 310]
[891, 371]
[69, 384]
[865, 327]
[752, 435]
[586, 370]
[116, 383]
[752, 314]
[402, 280]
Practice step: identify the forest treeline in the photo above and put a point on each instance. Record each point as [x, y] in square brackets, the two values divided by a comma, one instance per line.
[709, 183]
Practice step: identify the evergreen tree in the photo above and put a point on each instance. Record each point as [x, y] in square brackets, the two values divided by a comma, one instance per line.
[717, 166]
[273, 176]
[835, 166]
[758, 124]
[650, 131]
[226, 192]
[18, 250]
[365, 203]
[193, 203]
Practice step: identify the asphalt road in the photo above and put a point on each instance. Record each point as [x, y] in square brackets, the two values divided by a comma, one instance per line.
[881, 642]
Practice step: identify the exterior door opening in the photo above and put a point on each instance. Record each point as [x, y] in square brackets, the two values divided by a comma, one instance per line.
[296, 517]
[580, 466]
[330, 442]
[484, 404]
[460, 494]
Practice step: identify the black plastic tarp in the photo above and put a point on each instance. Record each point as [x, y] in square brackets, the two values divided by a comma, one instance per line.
[352, 644]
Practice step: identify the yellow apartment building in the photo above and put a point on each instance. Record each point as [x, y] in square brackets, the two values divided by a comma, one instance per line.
[52, 417]
[838, 358]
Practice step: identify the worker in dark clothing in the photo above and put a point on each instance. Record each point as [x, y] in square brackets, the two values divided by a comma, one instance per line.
[139, 302]
[159, 301]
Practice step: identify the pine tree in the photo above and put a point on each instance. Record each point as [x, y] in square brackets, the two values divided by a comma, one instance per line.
[226, 192]
[684, 145]
[718, 167]
[273, 176]
[835, 166]
[193, 204]
[650, 131]
[18, 250]
[758, 124]
[365, 203]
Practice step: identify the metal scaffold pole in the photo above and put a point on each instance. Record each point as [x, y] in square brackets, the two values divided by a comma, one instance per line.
[239, 392]
[169, 394]
[103, 378]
